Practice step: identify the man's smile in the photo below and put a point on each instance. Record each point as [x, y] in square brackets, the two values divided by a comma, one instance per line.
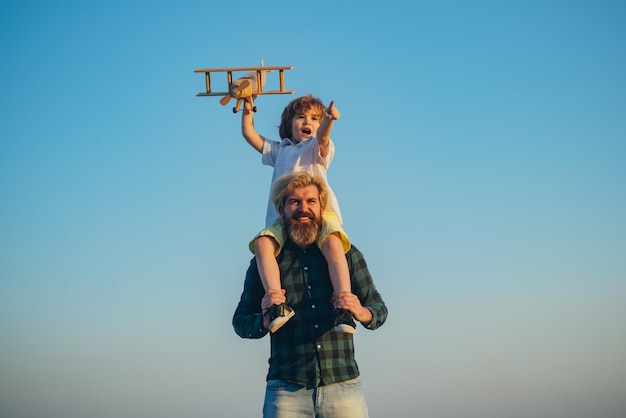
[301, 217]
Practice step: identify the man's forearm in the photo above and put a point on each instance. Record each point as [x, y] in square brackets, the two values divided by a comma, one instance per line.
[249, 326]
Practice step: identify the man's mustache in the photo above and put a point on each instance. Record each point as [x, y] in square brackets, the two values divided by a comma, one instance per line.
[301, 214]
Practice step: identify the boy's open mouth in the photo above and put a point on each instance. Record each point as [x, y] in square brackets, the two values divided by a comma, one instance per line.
[306, 131]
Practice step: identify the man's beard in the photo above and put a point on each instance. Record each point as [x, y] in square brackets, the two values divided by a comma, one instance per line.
[303, 234]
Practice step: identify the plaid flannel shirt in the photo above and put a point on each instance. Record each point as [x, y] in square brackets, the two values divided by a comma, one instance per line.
[307, 350]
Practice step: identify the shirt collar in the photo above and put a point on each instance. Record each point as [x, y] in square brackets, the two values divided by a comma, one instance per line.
[288, 141]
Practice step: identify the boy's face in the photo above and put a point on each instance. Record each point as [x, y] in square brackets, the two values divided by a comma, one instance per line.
[304, 125]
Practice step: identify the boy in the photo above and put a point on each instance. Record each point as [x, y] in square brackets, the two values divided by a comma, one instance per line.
[305, 145]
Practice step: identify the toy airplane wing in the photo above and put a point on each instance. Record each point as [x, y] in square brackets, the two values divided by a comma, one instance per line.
[245, 87]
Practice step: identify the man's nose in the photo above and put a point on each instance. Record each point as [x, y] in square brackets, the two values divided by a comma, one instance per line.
[305, 207]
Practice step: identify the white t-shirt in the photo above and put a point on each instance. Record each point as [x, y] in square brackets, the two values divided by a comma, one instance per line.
[287, 157]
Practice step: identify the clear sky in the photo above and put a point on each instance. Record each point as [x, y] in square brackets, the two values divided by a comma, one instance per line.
[480, 166]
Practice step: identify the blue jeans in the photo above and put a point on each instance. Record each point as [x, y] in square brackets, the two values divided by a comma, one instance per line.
[339, 400]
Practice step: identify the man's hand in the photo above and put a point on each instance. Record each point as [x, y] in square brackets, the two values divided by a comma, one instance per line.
[272, 297]
[349, 301]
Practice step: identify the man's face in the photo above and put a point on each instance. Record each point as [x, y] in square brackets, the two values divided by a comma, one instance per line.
[303, 215]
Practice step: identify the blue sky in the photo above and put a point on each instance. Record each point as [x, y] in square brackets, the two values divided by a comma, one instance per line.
[480, 166]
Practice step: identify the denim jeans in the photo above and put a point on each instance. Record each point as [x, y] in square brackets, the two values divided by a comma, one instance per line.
[339, 400]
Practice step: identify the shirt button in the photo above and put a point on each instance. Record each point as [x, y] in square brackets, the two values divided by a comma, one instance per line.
[306, 268]
[313, 306]
[316, 326]
[319, 346]
[309, 287]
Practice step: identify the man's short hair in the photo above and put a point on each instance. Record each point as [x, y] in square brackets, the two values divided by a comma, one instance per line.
[286, 184]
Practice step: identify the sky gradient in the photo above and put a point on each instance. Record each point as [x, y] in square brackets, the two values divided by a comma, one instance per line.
[480, 167]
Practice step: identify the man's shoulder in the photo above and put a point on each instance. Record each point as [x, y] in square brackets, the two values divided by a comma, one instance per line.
[354, 250]
[355, 254]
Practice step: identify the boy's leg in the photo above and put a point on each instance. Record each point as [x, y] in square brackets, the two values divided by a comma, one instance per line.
[333, 251]
[264, 249]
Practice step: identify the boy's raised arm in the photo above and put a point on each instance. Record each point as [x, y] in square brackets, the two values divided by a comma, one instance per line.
[247, 128]
[331, 114]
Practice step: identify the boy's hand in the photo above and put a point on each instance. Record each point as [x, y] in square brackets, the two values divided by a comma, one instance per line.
[331, 112]
[247, 103]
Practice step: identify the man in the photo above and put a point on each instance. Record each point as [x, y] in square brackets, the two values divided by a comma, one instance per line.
[312, 369]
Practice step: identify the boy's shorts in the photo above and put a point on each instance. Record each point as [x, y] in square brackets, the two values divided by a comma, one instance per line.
[330, 225]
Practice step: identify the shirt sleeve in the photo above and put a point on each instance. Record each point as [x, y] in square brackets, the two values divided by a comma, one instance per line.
[247, 319]
[268, 155]
[363, 286]
[324, 161]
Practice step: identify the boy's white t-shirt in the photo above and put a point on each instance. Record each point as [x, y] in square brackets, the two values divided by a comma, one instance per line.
[287, 157]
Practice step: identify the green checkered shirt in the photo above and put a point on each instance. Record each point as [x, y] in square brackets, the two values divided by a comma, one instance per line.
[307, 350]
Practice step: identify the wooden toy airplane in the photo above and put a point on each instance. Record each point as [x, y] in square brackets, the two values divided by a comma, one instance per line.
[246, 87]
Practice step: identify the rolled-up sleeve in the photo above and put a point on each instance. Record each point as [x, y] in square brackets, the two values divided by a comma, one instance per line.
[363, 286]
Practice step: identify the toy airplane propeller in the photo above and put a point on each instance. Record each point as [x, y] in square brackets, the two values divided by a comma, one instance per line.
[246, 87]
